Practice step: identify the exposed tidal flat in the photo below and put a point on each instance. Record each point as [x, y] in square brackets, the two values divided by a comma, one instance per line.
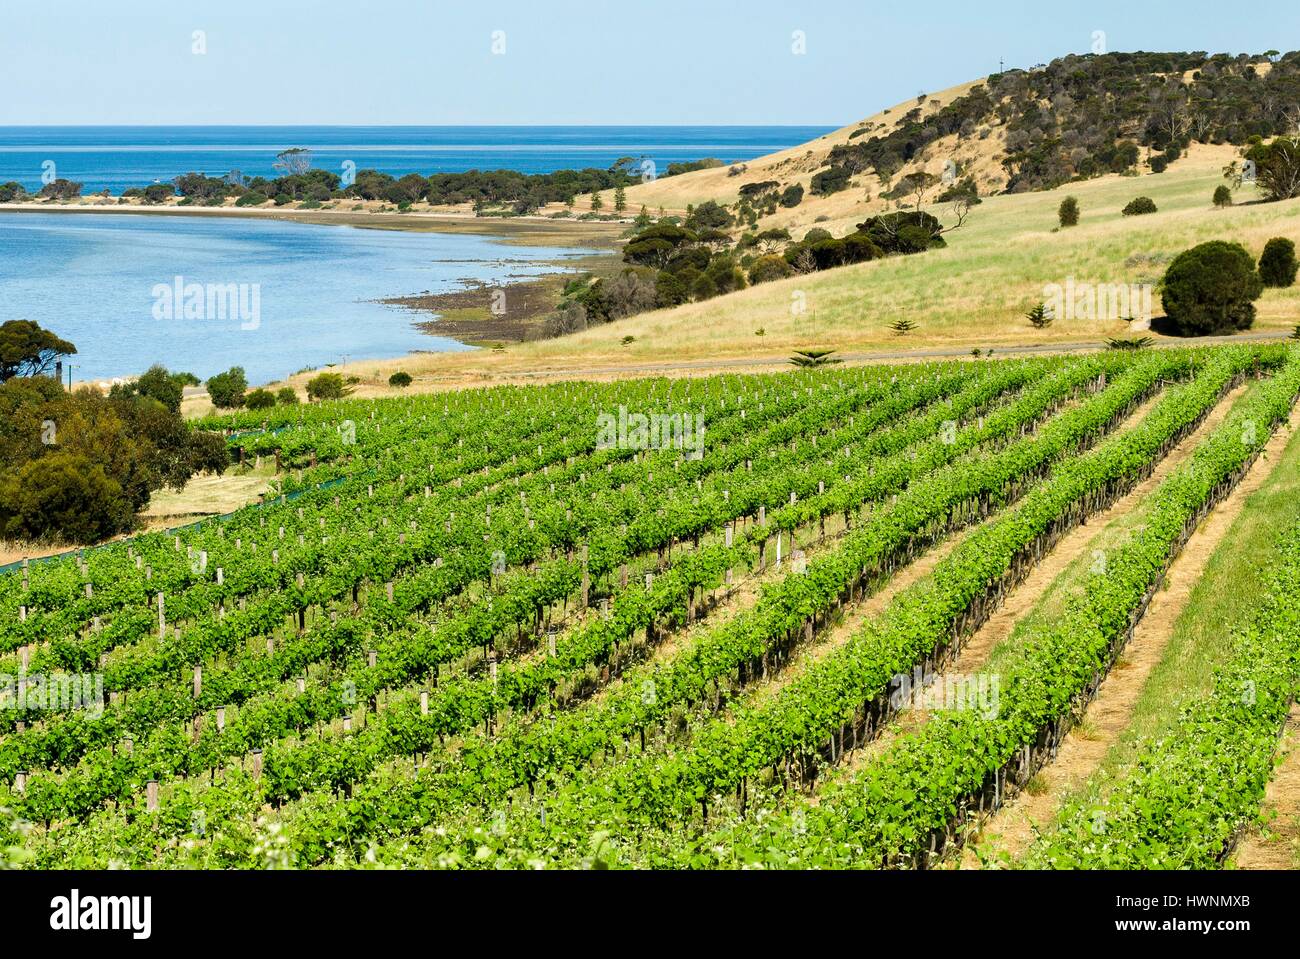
[204, 293]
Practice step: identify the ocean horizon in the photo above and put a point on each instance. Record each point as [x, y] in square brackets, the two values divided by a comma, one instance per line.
[115, 158]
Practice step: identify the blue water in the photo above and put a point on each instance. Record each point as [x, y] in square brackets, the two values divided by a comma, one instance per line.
[114, 158]
[92, 278]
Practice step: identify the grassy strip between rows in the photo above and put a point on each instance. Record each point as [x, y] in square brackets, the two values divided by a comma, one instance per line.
[1190, 792]
[909, 802]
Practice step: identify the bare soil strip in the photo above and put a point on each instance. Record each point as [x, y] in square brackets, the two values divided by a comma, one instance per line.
[1014, 827]
[975, 651]
[1276, 844]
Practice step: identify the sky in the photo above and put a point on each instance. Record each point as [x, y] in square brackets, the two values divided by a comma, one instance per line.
[434, 62]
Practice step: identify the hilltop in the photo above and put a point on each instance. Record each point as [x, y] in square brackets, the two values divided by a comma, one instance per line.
[1076, 118]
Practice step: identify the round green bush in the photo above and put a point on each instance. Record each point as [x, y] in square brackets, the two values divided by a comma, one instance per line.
[767, 268]
[1068, 212]
[259, 399]
[287, 396]
[400, 379]
[1210, 289]
[252, 198]
[64, 495]
[1277, 265]
[1222, 196]
[1143, 204]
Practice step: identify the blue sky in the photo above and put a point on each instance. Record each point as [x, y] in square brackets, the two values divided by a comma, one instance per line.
[564, 61]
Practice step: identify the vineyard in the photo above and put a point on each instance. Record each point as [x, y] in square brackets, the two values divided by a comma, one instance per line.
[839, 617]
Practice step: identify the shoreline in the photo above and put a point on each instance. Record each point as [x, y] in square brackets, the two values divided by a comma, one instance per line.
[531, 230]
[464, 314]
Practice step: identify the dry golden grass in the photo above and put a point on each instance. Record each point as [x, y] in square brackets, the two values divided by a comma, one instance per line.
[795, 165]
[973, 294]
[206, 495]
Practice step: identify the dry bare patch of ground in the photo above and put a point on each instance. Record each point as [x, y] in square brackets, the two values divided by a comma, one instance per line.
[205, 495]
[1276, 843]
[1110, 716]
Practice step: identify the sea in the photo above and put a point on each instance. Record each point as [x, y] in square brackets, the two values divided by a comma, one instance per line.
[115, 158]
[205, 293]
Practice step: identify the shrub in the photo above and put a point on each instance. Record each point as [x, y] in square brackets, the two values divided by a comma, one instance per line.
[1139, 206]
[1068, 212]
[671, 289]
[792, 195]
[157, 384]
[858, 248]
[1210, 289]
[157, 192]
[768, 268]
[400, 379]
[708, 215]
[1277, 264]
[830, 180]
[327, 386]
[287, 396]
[1158, 164]
[907, 231]
[1277, 167]
[61, 189]
[62, 494]
[828, 253]
[252, 198]
[704, 288]
[227, 389]
[260, 399]
[1222, 196]
[283, 199]
[1039, 317]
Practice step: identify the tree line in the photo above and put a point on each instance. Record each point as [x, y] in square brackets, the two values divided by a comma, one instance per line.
[78, 466]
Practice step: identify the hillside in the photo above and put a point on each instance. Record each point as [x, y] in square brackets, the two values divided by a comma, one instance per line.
[971, 294]
[797, 165]
[1079, 117]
